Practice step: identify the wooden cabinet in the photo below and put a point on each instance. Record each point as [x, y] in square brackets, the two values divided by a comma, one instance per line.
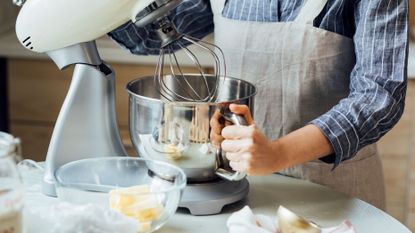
[412, 12]
[412, 19]
[8, 14]
[397, 150]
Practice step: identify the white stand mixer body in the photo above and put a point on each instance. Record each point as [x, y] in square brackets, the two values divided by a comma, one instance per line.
[45, 25]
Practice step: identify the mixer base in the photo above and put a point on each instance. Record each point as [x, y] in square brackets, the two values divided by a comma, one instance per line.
[210, 198]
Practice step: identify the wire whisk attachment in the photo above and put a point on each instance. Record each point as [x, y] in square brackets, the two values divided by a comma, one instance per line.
[169, 78]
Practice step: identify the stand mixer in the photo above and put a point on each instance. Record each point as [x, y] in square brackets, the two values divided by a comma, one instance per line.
[87, 126]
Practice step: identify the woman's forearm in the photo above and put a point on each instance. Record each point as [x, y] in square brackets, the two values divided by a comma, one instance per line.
[303, 145]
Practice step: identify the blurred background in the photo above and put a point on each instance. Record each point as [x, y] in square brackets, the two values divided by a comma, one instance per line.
[32, 90]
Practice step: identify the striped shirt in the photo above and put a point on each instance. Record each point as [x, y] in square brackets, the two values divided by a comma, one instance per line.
[379, 29]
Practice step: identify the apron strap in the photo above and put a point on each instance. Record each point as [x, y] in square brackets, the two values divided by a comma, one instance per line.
[217, 6]
[310, 11]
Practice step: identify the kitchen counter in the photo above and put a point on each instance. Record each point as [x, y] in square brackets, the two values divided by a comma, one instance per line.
[315, 202]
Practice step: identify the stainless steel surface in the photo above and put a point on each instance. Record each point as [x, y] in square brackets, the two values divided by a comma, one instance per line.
[156, 10]
[83, 53]
[87, 125]
[289, 222]
[167, 32]
[179, 132]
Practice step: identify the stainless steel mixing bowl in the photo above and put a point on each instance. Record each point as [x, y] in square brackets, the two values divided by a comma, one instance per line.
[178, 132]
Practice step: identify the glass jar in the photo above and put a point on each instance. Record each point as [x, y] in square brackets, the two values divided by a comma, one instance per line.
[11, 188]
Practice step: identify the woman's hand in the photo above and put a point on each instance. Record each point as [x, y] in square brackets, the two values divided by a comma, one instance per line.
[250, 151]
[246, 147]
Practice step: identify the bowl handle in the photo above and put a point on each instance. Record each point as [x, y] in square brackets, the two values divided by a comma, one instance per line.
[223, 169]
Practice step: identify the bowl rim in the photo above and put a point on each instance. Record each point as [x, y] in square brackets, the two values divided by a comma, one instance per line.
[187, 103]
[181, 186]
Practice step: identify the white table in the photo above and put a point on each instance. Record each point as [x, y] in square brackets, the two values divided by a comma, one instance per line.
[315, 202]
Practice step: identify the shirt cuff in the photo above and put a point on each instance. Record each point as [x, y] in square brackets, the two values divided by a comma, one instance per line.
[341, 134]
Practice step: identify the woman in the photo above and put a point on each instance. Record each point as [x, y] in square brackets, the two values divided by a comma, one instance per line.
[331, 78]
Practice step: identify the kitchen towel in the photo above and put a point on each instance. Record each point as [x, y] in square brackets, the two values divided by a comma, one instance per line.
[245, 221]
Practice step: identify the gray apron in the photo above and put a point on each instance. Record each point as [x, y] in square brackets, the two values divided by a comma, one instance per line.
[301, 72]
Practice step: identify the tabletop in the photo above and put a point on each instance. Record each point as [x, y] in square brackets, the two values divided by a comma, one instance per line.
[314, 202]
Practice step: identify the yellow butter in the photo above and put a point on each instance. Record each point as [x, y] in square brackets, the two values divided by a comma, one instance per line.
[124, 197]
[173, 152]
[136, 202]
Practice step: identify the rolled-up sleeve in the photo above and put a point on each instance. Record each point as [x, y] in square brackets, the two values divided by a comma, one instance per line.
[192, 17]
[377, 83]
